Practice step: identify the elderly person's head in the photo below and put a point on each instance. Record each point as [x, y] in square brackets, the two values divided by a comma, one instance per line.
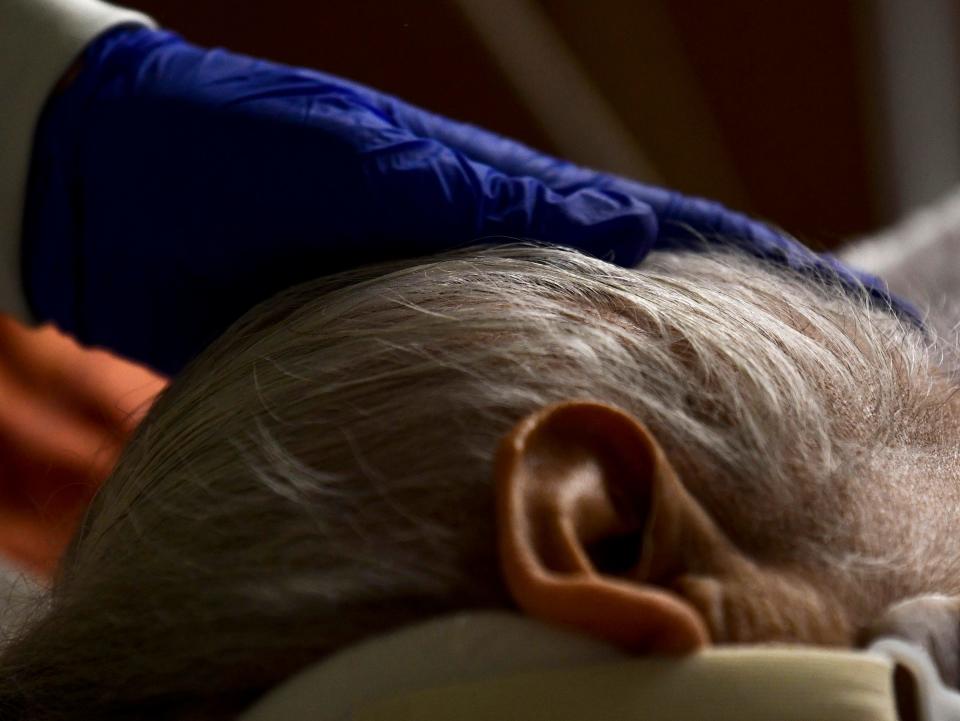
[708, 448]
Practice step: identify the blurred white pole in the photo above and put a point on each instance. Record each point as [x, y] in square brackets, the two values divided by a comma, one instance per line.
[920, 84]
[555, 88]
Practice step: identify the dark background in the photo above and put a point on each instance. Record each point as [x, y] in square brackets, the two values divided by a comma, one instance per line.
[775, 108]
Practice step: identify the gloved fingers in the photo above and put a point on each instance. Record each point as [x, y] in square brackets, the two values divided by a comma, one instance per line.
[678, 213]
[516, 159]
[424, 186]
[681, 218]
[509, 156]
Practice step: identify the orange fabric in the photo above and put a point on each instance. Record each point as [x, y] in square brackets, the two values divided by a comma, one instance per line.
[65, 413]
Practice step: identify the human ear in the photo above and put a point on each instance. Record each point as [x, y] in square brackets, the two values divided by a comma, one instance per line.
[597, 533]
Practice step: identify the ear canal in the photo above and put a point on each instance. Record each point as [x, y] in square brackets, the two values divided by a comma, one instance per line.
[579, 489]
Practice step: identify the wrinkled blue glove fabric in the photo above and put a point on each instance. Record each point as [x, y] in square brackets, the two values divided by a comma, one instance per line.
[172, 188]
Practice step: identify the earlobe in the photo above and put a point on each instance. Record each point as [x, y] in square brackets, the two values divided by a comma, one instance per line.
[590, 515]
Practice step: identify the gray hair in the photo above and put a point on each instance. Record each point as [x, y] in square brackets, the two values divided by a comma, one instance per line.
[323, 472]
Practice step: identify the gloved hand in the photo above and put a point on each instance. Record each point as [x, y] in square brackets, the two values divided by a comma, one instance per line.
[173, 188]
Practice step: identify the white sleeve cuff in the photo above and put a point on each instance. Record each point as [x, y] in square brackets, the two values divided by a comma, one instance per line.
[39, 39]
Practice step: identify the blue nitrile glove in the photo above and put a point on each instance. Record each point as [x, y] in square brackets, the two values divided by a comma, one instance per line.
[172, 188]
